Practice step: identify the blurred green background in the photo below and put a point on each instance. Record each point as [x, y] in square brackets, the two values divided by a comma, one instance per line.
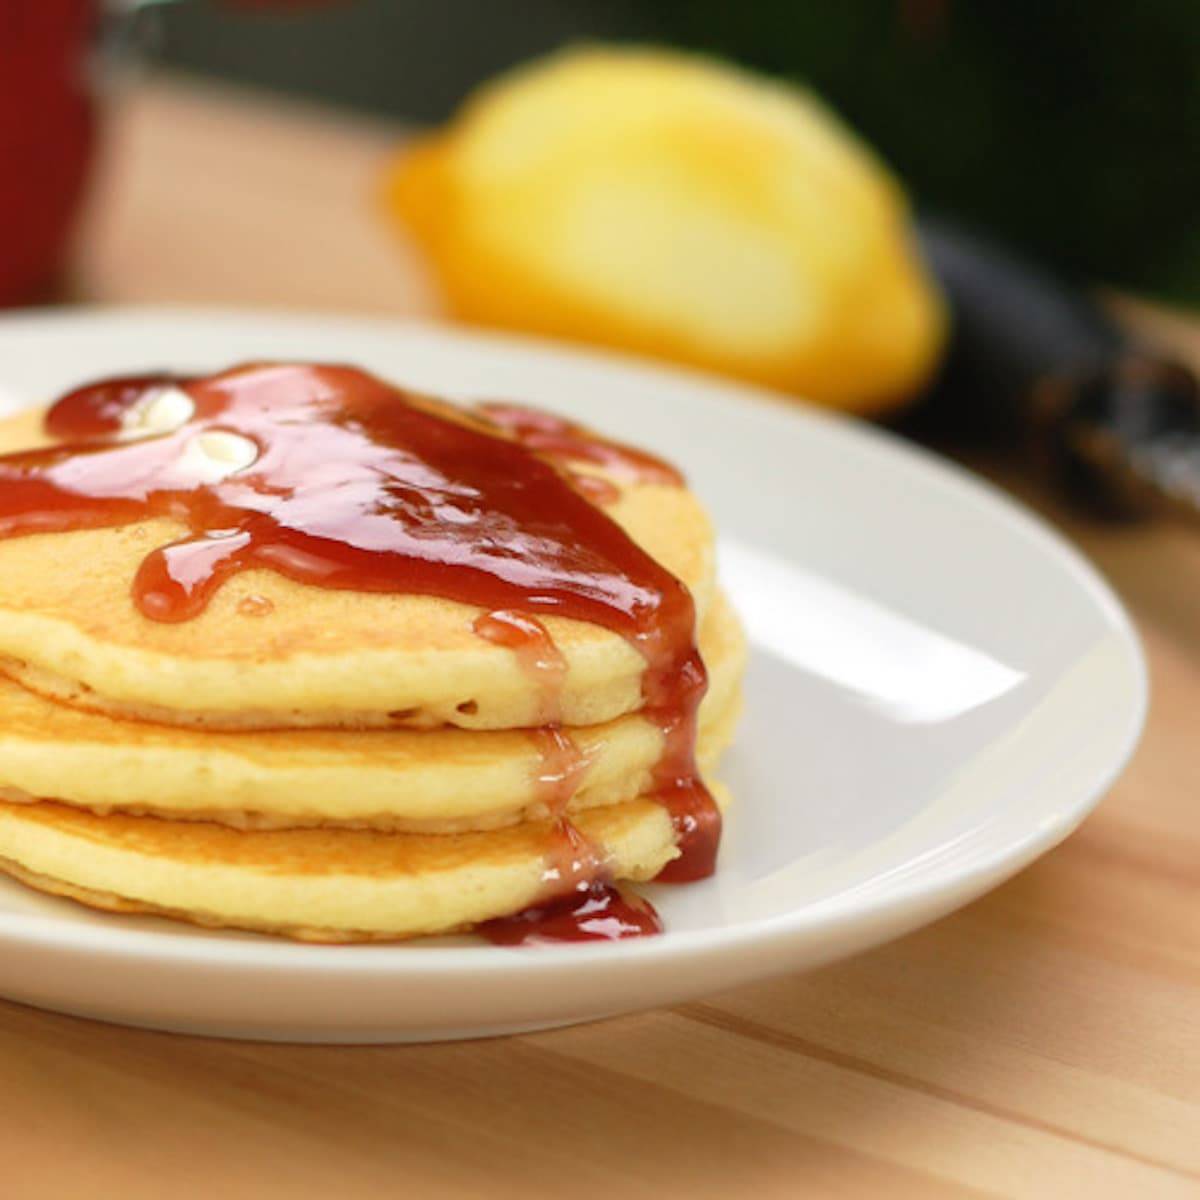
[1071, 130]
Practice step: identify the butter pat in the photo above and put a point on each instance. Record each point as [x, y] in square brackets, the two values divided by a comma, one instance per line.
[163, 410]
[212, 456]
[207, 458]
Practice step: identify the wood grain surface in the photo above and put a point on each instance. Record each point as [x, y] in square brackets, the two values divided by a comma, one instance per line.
[1043, 1042]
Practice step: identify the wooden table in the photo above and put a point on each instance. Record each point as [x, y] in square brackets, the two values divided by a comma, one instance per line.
[1043, 1042]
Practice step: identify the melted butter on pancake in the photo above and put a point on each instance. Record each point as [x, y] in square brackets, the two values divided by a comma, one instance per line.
[158, 411]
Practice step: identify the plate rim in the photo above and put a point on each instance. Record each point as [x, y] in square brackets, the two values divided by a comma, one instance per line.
[1011, 854]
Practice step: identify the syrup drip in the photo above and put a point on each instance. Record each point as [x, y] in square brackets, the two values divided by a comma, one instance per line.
[562, 763]
[599, 912]
[595, 487]
[359, 486]
[537, 655]
[696, 818]
[555, 438]
[562, 767]
[574, 863]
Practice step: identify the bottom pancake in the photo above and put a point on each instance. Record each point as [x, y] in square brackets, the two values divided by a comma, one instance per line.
[333, 885]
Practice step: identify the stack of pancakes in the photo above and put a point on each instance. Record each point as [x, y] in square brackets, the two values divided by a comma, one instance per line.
[332, 765]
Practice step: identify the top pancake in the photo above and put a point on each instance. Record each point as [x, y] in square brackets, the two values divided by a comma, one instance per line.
[310, 656]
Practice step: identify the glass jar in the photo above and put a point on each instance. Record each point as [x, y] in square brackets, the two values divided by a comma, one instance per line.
[47, 132]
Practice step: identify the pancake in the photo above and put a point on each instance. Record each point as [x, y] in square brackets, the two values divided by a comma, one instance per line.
[318, 885]
[417, 780]
[269, 652]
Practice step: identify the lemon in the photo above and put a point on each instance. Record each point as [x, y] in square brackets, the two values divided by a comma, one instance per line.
[673, 206]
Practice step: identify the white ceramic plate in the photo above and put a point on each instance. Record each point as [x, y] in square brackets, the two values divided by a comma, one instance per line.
[940, 690]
